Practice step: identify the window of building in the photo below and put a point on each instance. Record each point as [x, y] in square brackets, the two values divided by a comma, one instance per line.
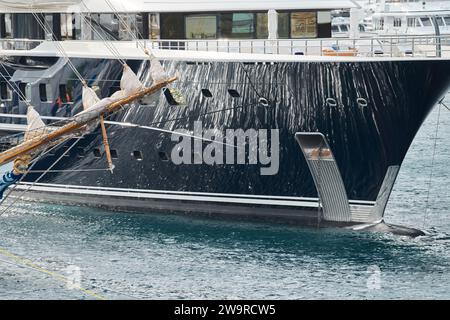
[262, 26]
[426, 22]
[43, 92]
[5, 91]
[172, 25]
[397, 22]
[201, 27]
[283, 25]
[67, 26]
[411, 22]
[447, 21]
[65, 93]
[134, 24]
[440, 21]
[25, 90]
[303, 24]
[344, 28]
[154, 26]
[106, 25]
[380, 24]
[8, 26]
[237, 25]
[334, 28]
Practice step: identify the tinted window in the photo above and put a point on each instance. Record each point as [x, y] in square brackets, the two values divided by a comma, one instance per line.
[172, 26]
[303, 24]
[43, 92]
[237, 25]
[426, 22]
[201, 27]
[283, 25]
[262, 26]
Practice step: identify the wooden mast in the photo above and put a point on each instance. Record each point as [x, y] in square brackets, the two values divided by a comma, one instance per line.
[29, 146]
[106, 144]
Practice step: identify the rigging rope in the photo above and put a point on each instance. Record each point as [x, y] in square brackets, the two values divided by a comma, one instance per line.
[108, 44]
[14, 85]
[127, 27]
[40, 177]
[47, 29]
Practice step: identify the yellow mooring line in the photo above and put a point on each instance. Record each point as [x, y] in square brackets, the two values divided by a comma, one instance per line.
[55, 275]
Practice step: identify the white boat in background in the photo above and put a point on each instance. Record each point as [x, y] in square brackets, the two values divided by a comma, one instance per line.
[405, 17]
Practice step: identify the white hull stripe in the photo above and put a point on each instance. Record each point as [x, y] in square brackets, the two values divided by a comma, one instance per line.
[173, 195]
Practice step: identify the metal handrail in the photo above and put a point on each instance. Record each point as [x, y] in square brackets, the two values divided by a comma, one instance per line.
[383, 46]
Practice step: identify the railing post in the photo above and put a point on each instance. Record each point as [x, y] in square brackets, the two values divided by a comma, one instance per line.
[371, 47]
[392, 47]
[413, 49]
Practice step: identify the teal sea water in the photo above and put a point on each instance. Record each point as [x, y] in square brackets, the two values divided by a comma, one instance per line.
[131, 256]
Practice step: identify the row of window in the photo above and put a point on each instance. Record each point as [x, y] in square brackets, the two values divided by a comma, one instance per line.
[136, 154]
[65, 93]
[414, 22]
[213, 25]
[242, 25]
[45, 92]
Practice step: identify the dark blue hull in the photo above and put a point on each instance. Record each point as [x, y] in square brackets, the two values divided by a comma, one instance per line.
[369, 111]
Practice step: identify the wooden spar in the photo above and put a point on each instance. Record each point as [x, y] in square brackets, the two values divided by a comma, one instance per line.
[106, 144]
[29, 146]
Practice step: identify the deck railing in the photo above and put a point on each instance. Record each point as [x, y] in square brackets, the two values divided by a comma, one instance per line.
[398, 46]
[386, 46]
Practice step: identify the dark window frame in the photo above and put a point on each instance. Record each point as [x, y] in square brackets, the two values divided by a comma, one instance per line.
[43, 92]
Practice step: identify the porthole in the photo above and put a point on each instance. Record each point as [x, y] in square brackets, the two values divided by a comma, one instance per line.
[331, 102]
[263, 102]
[362, 102]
